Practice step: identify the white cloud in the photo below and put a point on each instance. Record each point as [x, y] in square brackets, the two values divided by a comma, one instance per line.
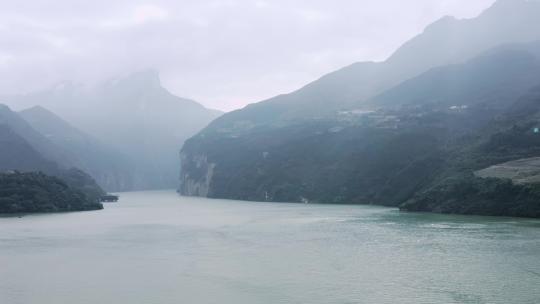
[148, 12]
[262, 4]
[314, 16]
[5, 58]
[139, 15]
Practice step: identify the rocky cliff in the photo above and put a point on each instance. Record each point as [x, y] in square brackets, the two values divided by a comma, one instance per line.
[195, 175]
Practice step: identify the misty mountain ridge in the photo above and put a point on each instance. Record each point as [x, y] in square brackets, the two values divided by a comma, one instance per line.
[447, 41]
[17, 154]
[425, 117]
[52, 126]
[494, 77]
[26, 150]
[111, 169]
[39, 142]
[133, 115]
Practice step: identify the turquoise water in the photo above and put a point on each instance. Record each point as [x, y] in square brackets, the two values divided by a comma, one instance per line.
[156, 247]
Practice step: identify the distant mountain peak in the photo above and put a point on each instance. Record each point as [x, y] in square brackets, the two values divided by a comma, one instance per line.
[148, 78]
[498, 9]
[37, 108]
[513, 3]
[150, 74]
[65, 85]
[442, 22]
[41, 112]
[3, 107]
[506, 7]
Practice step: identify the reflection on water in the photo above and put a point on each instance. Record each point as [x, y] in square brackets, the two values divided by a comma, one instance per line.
[156, 247]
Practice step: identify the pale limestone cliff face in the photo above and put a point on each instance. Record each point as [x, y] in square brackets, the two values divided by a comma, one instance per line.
[195, 175]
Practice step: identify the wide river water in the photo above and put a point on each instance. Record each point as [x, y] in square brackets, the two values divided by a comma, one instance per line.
[157, 247]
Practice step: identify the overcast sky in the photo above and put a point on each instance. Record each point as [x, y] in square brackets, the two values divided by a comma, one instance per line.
[222, 53]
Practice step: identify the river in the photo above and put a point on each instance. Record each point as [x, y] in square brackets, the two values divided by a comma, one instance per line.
[157, 247]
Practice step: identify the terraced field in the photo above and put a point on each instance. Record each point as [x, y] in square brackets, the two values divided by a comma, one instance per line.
[521, 171]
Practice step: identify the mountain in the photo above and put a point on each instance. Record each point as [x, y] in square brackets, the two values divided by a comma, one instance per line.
[35, 139]
[391, 132]
[17, 154]
[493, 77]
[135, 116]
[110, 169]
[447, 41]
[24, 149]
[400, 158]
[494, 174]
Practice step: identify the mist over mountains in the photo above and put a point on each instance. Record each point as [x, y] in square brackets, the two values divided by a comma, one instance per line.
[65, 187]
[411, 131]
[110, 168]
[384, 133]
[408, 173]
[126, 132]
[493, 78]
[20, 154]
[447, 41]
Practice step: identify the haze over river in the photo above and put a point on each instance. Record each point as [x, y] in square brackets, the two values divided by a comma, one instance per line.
[157, 247]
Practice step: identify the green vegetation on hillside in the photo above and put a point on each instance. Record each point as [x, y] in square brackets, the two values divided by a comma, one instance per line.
[467, 194]
[37, 192]
[394, 133]
[456, 189]
[391, 157]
